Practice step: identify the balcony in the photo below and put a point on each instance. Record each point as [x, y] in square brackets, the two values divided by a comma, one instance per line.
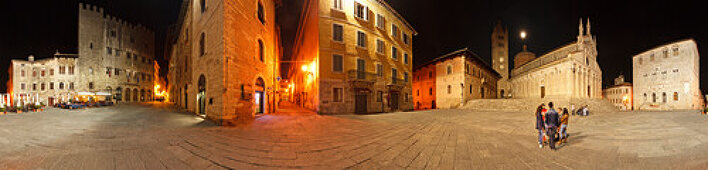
[362, 79]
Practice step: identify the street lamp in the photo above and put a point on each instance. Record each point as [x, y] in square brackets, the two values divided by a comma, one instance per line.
[523, 35]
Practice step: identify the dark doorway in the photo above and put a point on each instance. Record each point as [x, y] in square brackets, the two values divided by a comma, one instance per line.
[588, 91]
[260, 96]
[543, 91]
[394, 101]
[185, 97]
[127, 94]
[501, 95]
[361, 102]
[135, 95]
[433, 103]
[481, 92]
[201, 96]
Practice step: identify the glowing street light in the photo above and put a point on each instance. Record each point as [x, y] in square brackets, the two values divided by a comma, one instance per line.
[304, 67]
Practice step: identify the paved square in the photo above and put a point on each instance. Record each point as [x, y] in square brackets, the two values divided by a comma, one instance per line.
[156, 137]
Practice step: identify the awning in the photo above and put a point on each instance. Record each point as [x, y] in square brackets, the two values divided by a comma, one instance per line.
[85, 94]
[102, 94]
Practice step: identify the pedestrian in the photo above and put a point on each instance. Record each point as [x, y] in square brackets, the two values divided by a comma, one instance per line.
[585, 111]
[564, 126]
[539, 125]
[572, 109]
[551, 125]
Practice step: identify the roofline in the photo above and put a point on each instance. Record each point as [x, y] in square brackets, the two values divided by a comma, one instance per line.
[665, 44]
[415, 33]
[540, 56]
[460, 51]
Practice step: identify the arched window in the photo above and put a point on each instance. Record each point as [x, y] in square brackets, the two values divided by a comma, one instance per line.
[261, 13]
[653, 97]
[202, 3]
[61, 85]
[201, 45]
[261, 50]
[663, 97]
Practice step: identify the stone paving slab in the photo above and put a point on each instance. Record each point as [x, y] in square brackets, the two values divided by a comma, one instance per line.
[157, 137]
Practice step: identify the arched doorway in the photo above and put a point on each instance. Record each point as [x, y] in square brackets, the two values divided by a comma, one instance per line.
[142, 95]
[259, 97]
[135, 95]
[118, 96]
[201, 95]
[127, 94]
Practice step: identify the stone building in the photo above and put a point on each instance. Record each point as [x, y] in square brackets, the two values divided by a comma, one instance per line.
[459, 77]
[224, 60]
[620, 94]
[352, 56]
[48, 80]
[500, 59]
[114, 56]
[564, 74]
[667, 77]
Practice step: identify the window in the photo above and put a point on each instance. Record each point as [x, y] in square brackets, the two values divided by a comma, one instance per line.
[651, 57]
[405, 77]
[71, 85]
[640, 60]
[470, 89]
[109, 51]
[337, 95]
[430, 74]
[676, 50]
[380, 46]
[379, 70]
[430, 91]
[117, 72]
[261, 13]
[61, 85]
[22, 86]
[394, 31]
[51, 85]
[449, 69]
[34, 86]
[665, 53]
[394, 53]
[380, 21]
[90, 85]
[675, 96]
[91, 45]
[449, 89]
[361, 11]
[394, 74]
[379, 96]
[653, 97]
[337, 4]
[417, 92]
[42, 86]
[261, 51]
[202, 4]
[337, 32]
[361, 39]
[337, 63]
[663, 97]
[675, 70]
[405, 38]
[405, 58]
[22, 73]
[51, 72]
[71, 70]
[201, 44]
[34, 73]
[117, 52]
[42, 73]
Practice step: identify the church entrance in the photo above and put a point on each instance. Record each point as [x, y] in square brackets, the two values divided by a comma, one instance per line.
[543, 91]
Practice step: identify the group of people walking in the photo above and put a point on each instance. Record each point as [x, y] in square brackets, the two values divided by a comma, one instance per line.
[552, 127]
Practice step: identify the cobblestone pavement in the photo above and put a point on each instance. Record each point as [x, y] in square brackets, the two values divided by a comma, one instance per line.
[155, 137]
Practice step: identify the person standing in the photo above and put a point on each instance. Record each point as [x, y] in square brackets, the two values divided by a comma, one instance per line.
[551, 125]
[564, 126]
[539, 125]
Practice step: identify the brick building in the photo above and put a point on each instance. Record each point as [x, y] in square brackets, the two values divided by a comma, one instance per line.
[459, 77]
[620, 94]
[224, 60]
[114, 56]
[352, 56]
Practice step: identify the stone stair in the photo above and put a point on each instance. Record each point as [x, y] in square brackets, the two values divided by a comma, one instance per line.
[529, 105]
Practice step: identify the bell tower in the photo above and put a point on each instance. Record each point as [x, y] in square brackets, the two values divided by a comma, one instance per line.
[500, 58]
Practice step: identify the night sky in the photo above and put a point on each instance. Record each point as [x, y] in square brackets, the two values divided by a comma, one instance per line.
[623, 28]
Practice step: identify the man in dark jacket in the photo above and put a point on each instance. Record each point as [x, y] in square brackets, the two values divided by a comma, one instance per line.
[551, 125]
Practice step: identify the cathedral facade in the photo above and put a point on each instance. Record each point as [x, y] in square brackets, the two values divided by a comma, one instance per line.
[568, 72]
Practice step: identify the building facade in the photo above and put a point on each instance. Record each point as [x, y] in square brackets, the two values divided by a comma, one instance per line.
[424, 79]
[224, 60]
[569, 72]
[500, 59]
[667, 77]
[48, 81]
[620, 94]
[115, 56]
[352, 56]
[459, 76]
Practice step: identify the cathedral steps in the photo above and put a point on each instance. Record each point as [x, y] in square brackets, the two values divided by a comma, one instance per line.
[529, 105]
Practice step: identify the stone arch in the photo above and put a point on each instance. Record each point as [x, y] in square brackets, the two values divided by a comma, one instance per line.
[201, 95]
[127, 94]
[260, 95]
[135, 95]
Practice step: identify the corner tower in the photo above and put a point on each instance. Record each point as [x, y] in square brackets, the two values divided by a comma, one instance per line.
[500, 58]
